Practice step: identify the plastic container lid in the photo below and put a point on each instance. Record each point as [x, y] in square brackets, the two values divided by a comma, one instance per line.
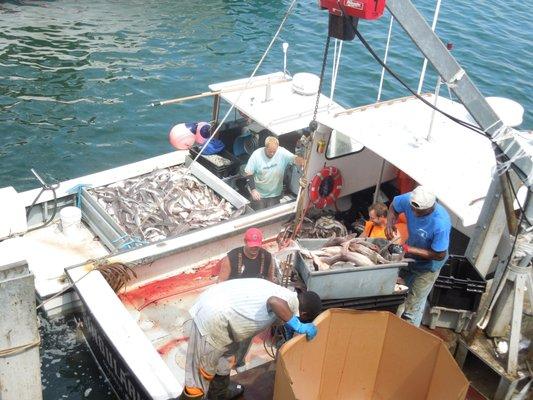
[305, 83]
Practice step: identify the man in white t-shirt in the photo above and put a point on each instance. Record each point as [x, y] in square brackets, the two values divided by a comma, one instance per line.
[233, 311]
[265, 170]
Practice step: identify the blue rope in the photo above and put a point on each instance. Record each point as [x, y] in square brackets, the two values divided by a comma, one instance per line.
[77, 189]
[129, 242]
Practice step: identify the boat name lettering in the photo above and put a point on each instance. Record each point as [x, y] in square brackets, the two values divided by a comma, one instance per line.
[119, 375]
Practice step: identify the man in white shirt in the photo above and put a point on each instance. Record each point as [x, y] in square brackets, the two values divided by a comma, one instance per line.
[233, 311]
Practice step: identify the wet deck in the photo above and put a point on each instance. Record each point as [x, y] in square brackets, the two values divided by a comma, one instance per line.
[161, 308]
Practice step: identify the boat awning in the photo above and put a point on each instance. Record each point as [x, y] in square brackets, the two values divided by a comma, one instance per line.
[279, 108]
[455, 162]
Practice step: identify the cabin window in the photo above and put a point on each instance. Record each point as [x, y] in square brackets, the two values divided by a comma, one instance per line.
[340, 145]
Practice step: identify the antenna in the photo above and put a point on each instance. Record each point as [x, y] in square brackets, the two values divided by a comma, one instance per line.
[285, 48]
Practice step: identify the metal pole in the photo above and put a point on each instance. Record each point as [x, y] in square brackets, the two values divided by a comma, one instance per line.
[20, 370]
[285, 47]
[437, 90]
[385, 59]
[424, 65]
[378, 183]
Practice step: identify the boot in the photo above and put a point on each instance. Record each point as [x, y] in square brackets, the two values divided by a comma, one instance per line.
[186, 396]
[222, 389]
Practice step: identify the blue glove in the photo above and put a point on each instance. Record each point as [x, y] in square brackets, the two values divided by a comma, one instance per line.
[299, 327]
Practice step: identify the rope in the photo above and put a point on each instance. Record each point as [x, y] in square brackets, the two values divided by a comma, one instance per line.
[98, 265]
[334, 74]
[385, 59]
[129, 241]
[20, 349]
[68, 287]
[78, 190]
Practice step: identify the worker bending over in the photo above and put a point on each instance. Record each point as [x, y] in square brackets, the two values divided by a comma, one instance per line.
[233, 311]
[428, 225]
[248, 261]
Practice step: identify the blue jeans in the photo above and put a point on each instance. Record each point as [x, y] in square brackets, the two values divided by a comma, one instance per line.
[420, 284]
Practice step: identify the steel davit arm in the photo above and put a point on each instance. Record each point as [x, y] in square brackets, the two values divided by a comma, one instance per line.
[451, 72]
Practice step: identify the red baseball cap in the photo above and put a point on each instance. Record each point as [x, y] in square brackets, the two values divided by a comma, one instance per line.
[253, 237]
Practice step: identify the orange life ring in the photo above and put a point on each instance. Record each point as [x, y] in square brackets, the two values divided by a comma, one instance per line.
[325, 187]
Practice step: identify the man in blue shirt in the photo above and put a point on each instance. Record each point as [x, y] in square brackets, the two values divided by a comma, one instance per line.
[265, 170]
[428, 224]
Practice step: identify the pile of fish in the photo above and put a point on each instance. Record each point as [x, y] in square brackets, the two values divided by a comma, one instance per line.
[217, 160]
[349, 250]
[164, 203]
[324, 227]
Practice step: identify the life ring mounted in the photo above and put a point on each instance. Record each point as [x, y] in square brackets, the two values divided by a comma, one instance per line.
[325, 187]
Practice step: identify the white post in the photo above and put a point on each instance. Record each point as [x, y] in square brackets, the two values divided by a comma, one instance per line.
[424, 65]
[385, 59]
[285, 47]
[20, 370]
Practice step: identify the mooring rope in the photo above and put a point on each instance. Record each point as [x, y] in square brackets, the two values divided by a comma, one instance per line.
[20, 349]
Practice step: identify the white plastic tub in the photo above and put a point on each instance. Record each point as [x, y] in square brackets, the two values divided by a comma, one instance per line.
[70, 220]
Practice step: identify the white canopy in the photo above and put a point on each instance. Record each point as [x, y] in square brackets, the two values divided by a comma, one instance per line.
[279, 108]
[455, 162]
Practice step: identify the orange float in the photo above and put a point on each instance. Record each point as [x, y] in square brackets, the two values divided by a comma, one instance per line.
[325, 187]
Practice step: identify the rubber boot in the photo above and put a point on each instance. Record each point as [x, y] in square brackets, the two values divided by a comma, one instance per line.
[186, 396]
[221, 388]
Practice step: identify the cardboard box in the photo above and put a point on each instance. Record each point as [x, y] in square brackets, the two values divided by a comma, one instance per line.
[370, 355]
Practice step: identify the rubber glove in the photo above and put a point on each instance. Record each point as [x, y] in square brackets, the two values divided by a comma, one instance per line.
[299, 327]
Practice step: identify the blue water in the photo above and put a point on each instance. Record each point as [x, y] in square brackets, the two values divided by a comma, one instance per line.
[77, 78]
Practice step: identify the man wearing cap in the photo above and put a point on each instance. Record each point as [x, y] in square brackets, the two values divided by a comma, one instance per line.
[228, 313]
[429, 225]
[248, 261]
[265, 171]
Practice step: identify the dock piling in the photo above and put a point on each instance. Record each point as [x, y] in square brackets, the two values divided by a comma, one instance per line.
[20, 370]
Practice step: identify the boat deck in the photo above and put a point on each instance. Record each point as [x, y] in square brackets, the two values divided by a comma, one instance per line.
[48, 251]
[161, 309]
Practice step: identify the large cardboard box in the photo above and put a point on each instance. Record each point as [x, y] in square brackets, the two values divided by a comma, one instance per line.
[360, 355]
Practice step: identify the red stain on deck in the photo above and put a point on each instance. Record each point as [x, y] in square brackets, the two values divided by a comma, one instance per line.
[167, 347]
[154, 291]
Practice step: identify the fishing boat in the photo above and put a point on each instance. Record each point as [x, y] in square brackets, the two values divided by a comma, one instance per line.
[134, 294]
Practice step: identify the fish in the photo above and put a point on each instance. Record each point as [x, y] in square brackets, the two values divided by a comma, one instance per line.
[372, 255]
[163, 203]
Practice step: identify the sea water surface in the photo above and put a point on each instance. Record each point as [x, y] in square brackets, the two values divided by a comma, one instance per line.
[77, 79]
